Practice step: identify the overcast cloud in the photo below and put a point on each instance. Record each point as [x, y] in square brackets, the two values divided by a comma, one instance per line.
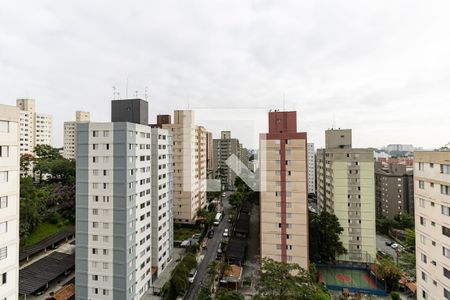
[381, 68]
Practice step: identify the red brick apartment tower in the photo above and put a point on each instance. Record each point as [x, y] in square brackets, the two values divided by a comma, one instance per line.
[284, 190]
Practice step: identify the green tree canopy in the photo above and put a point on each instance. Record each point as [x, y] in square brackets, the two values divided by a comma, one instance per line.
[324, 240]
[282, 281]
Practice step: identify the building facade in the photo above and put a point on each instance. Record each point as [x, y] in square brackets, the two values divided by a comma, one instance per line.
[432, 216]
[223, 148]
[35, 128]
[113, 215]
[284, 191]
[162, 198]
[209, 155]
[394, 190]
[189, 166]
[9, 202]
[311, 169]
[346, 188]
[70, 134]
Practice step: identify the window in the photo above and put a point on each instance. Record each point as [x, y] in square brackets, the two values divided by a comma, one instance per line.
[421, 184]
[422, 221]
[4, 126]
[4, 151]
[424, 277]
[423, 258]
[446, 252]
[446, 231]
[3, 279]
[422, 203]
[446, 294]
[3, 227]
[445, 169]
[421, 166]
[445, 210]
[445, 189]
[446, 273]
[3, 176]
[3, 202]
[3, 252]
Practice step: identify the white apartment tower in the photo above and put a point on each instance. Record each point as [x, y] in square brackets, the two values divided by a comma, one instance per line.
[9, 202]
[113, 215]
[189, 166]
[70, 134]
[162, 198]
[432, 216]
[35, 128]
[311, 169]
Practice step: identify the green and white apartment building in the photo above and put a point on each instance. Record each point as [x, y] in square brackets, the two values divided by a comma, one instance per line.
[346, 188]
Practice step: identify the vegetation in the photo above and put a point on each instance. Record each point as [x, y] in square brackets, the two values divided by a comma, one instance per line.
[401, 221]
[278, 281]
[391, 274]
[182, 232]
[179, 283]
[395, 296]
[408, 257]
[324, 242]
[225, 294]
[49, 206]
[243, 192]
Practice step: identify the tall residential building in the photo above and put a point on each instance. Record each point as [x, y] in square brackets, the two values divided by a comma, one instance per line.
[9, 202]
[35, 128]
[284, 191]
[346, 188]
[311, 169]
[223, 148]
[70, 134]
[189, 166]
[432, 212]
[399, 148]
[394, 190]
[209, 155]
[162, 198]
[124, 225]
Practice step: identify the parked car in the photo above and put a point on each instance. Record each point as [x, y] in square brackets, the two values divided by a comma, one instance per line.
[225, 233]
[192, 275]
[211, 233]
[394, 246]
[389, 243]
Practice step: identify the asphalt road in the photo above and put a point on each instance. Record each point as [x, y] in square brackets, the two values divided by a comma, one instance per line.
[210, 254]
[381, 245]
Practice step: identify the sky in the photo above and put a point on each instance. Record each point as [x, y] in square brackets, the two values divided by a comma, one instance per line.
[379, 67]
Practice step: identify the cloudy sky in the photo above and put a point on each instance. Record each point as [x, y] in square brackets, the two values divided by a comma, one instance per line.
[381, 68]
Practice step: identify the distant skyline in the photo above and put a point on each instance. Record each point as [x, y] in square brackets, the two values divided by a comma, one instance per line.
[380, 68]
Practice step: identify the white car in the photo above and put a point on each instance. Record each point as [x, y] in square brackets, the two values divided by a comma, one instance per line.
[225, 233]
[395, 246]
[192, 275]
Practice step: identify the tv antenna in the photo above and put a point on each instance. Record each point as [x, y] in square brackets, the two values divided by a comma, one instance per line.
[146, 93]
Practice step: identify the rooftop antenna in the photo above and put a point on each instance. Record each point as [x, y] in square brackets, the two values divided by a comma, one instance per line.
[333, 124]
[146, 93]
[114, 92]
[284, 102]
[126, 91]
[136, 94]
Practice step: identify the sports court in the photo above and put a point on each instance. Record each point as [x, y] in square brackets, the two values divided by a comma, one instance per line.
[356, 279]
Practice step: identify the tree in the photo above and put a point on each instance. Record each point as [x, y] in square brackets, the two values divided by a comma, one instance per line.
[204, 294]
[224, 294]
[26, 162]
[235, 199]
[278, 280]
[46, 152]
[391, 274]
[324, 241]
[385, 225]
[404, 221]
[410, 241]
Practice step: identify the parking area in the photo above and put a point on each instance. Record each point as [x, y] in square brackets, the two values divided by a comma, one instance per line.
[381, 245]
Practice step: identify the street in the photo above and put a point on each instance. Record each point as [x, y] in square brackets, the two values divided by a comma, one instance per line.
[381, 245]
[210, 254]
